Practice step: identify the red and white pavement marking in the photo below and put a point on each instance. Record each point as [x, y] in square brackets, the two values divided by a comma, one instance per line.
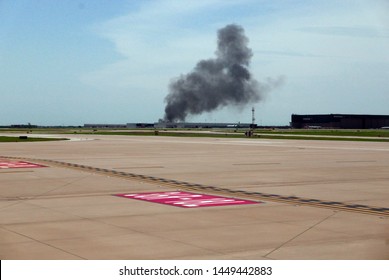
[186, 199]
[4, 164]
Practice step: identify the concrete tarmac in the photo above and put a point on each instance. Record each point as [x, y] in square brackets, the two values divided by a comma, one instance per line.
[63, 212]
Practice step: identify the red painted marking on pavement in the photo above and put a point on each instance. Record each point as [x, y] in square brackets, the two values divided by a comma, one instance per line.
[186, 199]
[18, 164]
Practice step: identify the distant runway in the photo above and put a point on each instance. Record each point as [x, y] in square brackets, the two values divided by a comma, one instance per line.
[320, 199]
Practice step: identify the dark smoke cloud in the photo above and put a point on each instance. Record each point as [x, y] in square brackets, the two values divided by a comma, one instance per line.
[219, 82]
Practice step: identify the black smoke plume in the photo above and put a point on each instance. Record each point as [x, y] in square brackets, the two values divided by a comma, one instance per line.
[219, 82]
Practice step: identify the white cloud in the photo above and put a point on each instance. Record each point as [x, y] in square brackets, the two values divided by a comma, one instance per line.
[315, 44]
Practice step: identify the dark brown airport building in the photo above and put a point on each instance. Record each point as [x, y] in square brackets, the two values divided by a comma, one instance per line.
[340, 121]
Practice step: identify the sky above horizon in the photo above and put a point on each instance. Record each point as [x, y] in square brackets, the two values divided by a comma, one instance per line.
[76, 62]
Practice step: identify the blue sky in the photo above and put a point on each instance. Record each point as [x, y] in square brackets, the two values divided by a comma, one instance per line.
[74, 62]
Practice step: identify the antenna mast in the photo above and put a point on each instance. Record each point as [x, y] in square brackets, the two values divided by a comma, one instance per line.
[253, 117]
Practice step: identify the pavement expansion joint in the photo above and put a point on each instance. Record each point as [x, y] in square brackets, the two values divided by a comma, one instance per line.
[334, 205]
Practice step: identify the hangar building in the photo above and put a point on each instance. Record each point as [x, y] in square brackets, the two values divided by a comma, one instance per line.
[340, 121]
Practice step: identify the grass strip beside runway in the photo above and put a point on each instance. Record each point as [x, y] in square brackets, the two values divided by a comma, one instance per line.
[27, 139]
